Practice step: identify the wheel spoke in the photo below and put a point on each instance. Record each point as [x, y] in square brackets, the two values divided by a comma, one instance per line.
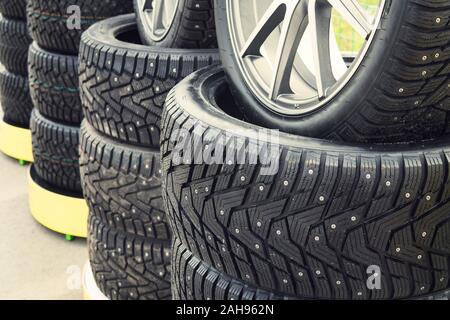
[292, 31]
[289, 53]
[354, 14]
[168, 10]
[157, 14]
[319, 13]
[272, 18]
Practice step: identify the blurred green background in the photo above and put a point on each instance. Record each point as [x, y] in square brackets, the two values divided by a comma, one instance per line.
[349, 41]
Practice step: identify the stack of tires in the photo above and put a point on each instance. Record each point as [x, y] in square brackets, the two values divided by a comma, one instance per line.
[15, 139]
[351, 199]
[124, 83]
[56, 27]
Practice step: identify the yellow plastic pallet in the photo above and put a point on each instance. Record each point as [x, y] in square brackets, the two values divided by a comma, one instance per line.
[58, 212]
[16, 142]
[90, 288]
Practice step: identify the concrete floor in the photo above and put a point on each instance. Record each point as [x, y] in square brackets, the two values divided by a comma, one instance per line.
[35, 263]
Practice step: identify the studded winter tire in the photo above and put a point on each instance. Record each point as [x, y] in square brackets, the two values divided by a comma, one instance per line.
[302, 217]
[124, 84]
[126, 266]
[193, 279]
[122, 185]
[129, 237]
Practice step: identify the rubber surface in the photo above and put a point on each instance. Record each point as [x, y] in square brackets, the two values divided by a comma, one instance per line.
[15, 99]
[192, 279]
[195, 280]
[128, 267]
[312, 229]
[55, 151]
[122, 185]
[14, 9]
[399, 93]
[54, 85]
[14, 43]
[49, 20]
[193, 27]
[124, 84]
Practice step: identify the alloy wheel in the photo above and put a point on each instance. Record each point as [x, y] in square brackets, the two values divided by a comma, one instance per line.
[291, 52]
[157, 16]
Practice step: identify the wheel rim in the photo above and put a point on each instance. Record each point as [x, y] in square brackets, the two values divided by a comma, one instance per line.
[289, 52]
[157, 16]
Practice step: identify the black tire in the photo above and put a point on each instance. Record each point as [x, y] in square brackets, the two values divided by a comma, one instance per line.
[15, 99]
[329, 212]
[122, 185]
[48, 20]
[124, 84]
[14, 9]
[193, 26]
[54, 85]
[14, 43]
[389, 99]
[192, 279]
[55, 152]
[128, 267]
